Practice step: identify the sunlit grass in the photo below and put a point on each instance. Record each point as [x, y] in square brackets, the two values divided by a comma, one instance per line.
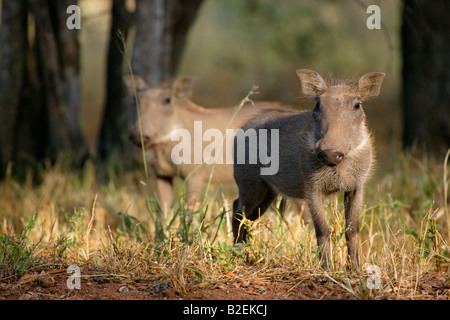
[76, 219]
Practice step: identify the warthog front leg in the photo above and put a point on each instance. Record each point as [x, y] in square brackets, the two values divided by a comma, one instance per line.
[165, 193]
[315, 202]
[353, 204]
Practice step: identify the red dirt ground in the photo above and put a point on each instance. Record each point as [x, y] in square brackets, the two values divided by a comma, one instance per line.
[52, 285]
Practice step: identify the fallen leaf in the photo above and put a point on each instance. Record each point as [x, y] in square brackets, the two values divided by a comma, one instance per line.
[230, 274]
[123, 289]
[48, 282]
[25, 296]
[169, 293]
[26, 278]
[256, 282]
[221, 286]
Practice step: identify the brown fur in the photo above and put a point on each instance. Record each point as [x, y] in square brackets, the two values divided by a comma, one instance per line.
[165, 108]
[320, 152]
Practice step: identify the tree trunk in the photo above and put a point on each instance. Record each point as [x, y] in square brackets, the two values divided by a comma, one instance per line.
[161, 33]
[12, 74]
[58, 56]
[117, 112]
[39, 96]
[426, 74]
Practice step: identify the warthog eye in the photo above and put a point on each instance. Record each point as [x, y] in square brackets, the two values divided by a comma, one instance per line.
[357, 105]
[317, 108]
[167, 100]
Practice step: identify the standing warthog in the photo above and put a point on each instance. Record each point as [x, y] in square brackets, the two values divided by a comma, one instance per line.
[167, 108]
[321, 152]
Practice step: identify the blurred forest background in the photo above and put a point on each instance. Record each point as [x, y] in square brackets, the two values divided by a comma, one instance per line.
[67, 167]
[61, 90]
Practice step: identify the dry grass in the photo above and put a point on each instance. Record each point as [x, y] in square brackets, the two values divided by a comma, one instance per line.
[72, 218]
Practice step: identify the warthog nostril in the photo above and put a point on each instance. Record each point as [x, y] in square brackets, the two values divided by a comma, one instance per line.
[330, 157]
[136, 139]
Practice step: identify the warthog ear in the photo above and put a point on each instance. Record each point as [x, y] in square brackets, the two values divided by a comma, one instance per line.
[369, 85]
[182, 87]
[138, 82]
[312, 83]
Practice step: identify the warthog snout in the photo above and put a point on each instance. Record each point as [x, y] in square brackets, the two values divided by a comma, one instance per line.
[330, 157]
[136, 139]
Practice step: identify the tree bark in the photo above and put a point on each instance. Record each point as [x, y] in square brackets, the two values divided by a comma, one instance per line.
[58, 56]
[426, 75]
[117, 111]
[39, 95]
[161, 32]
[12, 72]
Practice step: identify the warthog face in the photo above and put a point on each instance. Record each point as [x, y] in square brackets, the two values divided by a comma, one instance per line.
[338, 115]
[157, 109]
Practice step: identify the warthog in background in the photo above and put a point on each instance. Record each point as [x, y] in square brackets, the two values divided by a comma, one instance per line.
[167, 108]
[321, 152]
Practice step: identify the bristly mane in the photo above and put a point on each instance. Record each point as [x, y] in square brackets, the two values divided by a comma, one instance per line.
[331, 81]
